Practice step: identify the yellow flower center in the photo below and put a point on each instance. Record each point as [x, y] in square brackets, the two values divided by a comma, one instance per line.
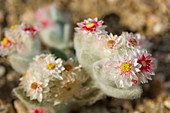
[143, 63]
[125, 67]
[68, 67]
[51, 66]
[4, 42]
[133, 41]
[34, 85]
[13, 27]
[89, 25]
[110, 43]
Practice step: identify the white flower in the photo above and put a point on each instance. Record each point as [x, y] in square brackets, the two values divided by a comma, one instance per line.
[53, 67]
[42, 74]
[35, 87]
[112, 43]
[129, 44]
[35, 90]
[50, 67]
[130, 39]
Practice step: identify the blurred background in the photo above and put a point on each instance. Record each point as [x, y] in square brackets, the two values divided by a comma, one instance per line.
[151, 18]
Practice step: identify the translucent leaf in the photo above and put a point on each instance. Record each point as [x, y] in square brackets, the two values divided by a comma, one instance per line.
[19, 92]
[19, 63]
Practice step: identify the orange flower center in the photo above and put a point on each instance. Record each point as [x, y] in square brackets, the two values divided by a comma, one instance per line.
[68, 67]
[110, 43]
[51, 66]
[89, 25]
[34, 85]
[133, 41]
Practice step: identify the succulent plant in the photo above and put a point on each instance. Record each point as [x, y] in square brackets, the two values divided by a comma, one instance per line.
[116, 63]
[51, 82]
[20, 44]
[107, 65]
[54, 27]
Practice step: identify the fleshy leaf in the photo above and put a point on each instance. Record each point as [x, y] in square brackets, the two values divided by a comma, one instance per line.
[130, 93]
[19, 92]
[57, 36]
[109, 87]
[19, 63]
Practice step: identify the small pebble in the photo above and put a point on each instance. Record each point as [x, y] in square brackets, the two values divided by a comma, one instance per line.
[1, 16]
[2, 70]
[4, 107]
[140, 108]
[19, 106]
[167, 103]
[12, 76]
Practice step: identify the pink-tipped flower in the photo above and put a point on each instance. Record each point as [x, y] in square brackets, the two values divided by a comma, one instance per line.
[91, 26]
[35, 90]
[39, 110]
[147, 66]
[112, 41]
[45, 23]
[111, 44]
[127, 67]
[122, 71]
[5, 42]
[132, 40]
[42, 17]
[30, 30]
[6, 47]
